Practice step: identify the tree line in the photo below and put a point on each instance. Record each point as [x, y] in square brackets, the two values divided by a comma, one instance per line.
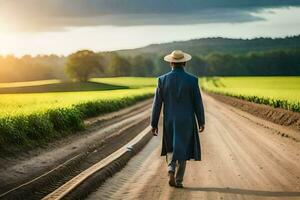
[84, 64]
[281, 62]
[29, 68]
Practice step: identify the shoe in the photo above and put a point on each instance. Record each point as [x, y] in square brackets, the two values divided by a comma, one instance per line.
[179, 185]
[172, 179]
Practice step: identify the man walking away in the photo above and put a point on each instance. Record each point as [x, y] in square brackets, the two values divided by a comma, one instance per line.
[178, 92]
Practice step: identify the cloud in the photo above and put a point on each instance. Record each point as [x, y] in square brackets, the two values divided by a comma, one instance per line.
[37, 15]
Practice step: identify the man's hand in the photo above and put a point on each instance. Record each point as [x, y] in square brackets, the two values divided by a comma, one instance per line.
[154, 131]
[201, 128]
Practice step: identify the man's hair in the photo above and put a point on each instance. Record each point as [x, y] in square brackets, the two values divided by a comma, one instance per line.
[180, 64]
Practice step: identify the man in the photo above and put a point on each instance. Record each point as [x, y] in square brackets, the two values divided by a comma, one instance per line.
[180, 96]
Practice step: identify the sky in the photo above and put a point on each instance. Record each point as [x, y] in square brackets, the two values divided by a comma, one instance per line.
[64, 26]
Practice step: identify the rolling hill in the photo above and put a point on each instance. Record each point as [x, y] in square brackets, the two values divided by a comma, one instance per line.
[222, 45]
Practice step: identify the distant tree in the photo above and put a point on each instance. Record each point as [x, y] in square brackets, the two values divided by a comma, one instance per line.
[141, 66]
[118, 65]
[160, 66]
[197, 66]
[82, 64]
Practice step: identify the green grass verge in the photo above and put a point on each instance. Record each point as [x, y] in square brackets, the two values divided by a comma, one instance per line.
[279, 92]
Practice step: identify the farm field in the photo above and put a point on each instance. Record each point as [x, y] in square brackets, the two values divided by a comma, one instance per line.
[128, 81]
[29, 83]
[55, 86]
[96, 89]
[283, 92]
[30, 118]
[26, 104]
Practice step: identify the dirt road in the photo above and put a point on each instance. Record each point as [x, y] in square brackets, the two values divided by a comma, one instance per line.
[42, 170]
[242, 158]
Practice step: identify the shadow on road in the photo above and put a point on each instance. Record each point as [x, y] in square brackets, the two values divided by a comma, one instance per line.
[246, 192]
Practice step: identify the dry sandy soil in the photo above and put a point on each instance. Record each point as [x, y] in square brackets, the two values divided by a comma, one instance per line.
[277, 115]
[243, 157]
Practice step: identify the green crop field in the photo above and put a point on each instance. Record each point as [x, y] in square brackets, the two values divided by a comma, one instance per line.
[25, 104]
[30, 119]
[283, 92]
[127, 81]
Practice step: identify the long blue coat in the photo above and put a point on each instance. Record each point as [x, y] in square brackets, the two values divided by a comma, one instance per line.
[180, 96]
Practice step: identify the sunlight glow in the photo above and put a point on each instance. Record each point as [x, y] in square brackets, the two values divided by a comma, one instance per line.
[279, 22]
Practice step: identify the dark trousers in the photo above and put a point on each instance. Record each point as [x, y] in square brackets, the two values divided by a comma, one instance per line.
[176, 166]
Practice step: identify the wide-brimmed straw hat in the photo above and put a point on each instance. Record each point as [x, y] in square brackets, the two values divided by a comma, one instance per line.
[177, 56]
